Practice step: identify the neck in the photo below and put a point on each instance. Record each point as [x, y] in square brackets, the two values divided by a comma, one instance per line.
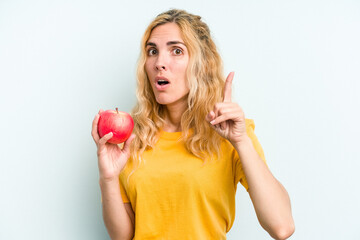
[173, 116]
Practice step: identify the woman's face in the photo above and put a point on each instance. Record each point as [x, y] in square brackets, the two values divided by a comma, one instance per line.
[166, 64]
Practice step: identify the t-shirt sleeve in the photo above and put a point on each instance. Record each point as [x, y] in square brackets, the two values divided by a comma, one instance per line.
[123, 192]
[239, 173]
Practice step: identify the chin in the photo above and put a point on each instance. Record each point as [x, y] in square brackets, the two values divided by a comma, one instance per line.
[163, 101]
[166, 99]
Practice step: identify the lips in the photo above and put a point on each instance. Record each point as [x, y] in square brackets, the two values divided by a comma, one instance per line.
[161, 83]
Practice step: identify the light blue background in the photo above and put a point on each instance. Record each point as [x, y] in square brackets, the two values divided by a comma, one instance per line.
[297, 75]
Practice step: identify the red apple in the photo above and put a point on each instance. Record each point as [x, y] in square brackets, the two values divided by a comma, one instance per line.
[119, 123]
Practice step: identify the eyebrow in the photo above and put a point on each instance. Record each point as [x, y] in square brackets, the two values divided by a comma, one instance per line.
[168, 43]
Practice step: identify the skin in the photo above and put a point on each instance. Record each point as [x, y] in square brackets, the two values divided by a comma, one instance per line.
[269, 197]
[118, 216]
[168, 57]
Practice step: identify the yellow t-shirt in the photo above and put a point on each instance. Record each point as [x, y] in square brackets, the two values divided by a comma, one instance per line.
[175, 195]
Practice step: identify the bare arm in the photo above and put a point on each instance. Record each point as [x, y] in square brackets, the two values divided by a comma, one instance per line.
[270, 199]
[118, 216]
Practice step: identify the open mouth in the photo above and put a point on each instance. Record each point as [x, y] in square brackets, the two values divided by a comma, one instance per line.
[162, 82]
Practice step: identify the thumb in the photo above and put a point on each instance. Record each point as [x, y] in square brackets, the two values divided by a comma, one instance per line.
[106, 138]
[127, 143]
[210, 116]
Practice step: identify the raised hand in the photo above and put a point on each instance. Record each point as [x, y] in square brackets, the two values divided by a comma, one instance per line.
[227, 117]
[111, 157]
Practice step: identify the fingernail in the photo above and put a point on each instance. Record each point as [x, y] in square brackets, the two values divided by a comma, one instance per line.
[212, 122]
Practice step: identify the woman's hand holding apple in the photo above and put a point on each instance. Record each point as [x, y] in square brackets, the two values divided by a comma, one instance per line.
[111, 157]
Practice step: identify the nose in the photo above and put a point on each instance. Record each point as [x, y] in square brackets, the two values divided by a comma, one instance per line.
[160, 67]
[160, 63]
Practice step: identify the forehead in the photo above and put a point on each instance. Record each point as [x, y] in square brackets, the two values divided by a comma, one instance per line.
[166, 32]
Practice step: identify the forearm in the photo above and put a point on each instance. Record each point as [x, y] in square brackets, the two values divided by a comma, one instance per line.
[270, 199]
[116, 219]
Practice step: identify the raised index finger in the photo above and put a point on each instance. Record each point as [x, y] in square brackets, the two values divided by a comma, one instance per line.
[227, 88]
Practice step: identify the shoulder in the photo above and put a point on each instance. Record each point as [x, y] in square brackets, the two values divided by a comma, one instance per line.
[250, 128]
[249, 123]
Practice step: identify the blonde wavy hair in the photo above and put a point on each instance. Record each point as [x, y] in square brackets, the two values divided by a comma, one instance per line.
[205, 80]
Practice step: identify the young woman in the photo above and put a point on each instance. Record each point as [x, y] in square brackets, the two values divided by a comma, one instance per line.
[177, 175]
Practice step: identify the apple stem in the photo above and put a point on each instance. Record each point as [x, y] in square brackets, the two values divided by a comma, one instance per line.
[117, 111]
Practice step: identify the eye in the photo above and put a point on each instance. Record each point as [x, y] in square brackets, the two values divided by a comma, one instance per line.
[177, 51]
[151, 52]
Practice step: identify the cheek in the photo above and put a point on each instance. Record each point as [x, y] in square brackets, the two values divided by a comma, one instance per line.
[147, 66]
[181, 66]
